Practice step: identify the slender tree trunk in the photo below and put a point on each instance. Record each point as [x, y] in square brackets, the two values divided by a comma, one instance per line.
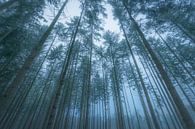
[166, 94]
[105, 101]
[184, 30]
[13, 103]
[82, 120]
[131, 126]
[154, 91]
[40, 101]
[34, 53]
[66, 116]
[142, 82]
[163, 96]
[89, 79]
[73, 124]
[86, 91]
[117, 94]
[35, 104]
[175, 55]
[126, 103]
[60, 83]
[180, 86]
[141, 99]
[178, 101]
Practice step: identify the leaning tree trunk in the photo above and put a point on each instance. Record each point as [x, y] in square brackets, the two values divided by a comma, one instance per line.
[178, 101]
[34, 53]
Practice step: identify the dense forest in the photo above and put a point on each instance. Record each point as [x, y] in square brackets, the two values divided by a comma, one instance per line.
[71, 72]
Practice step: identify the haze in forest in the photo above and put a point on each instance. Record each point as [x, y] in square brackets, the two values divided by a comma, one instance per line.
[97, 64]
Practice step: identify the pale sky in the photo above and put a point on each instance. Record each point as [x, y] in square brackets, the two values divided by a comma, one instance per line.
[72, 9]
[110, 23]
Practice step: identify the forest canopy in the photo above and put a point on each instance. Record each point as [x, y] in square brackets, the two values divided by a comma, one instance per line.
[97, 64]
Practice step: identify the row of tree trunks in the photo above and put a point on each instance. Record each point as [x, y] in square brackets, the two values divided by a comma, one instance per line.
[15, 102]
[156, 124]
[117, 92]
[57, 93]
[184, 30]
[179, 103]
[33, 54]
[176, 56]
[162, 93]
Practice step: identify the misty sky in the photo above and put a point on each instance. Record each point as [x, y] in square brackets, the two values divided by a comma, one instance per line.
[72, 9]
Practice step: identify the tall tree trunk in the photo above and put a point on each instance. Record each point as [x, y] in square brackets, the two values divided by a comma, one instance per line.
[185, 93]
[175, 55]
[55, 99]
[40, 101]
[86, 90]
[105, 95]
[166, 94]
[117, 94]
[34, 53]
[69, 91]
[178, 101]
[73, 123]
[30, 113]
[163, 96]
[89, 81]
[154, 91]
[17, 101]
[156, 124]
[126, 101]
[141, 100]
